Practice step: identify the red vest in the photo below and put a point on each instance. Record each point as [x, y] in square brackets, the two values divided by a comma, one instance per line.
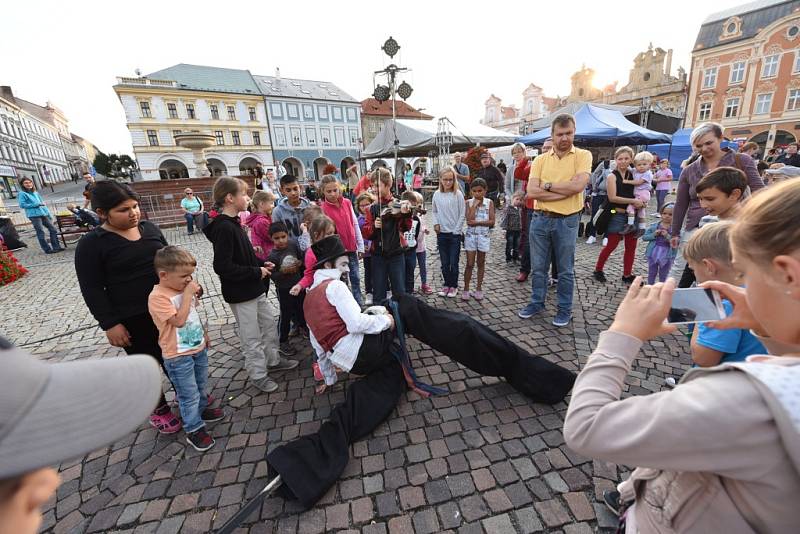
[322, 317]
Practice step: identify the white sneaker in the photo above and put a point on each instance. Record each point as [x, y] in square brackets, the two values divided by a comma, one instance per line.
[368, 299]
[591, 240]
[452, 292]
[445, 290]
[605, 241]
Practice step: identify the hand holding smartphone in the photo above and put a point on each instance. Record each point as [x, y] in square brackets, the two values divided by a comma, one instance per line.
[695, 305]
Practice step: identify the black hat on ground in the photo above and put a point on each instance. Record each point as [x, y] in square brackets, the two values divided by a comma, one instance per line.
[328, 249]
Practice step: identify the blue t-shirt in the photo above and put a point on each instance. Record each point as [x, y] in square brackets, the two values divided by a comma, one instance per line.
[735, 344]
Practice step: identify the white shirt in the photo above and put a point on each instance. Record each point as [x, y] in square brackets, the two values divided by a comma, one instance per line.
[345, 351]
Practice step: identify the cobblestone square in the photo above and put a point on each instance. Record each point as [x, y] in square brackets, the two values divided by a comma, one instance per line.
[481, 459]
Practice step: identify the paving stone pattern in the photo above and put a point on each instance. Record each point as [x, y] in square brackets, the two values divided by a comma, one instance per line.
[481, 459]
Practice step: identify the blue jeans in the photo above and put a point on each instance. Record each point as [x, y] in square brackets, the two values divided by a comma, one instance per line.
[449, 254]
[385, 270]
[661, 196]
[422, 261]
[560, 234]
[201, 218]
[39, 223]
[355, 283]
[189, 375]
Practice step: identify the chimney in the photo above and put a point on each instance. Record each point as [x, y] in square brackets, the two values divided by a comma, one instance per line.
[7, 93]
[278, 72]
[668, 63]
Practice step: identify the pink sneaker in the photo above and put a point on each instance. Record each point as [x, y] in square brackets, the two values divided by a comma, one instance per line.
[317, 372]
[426, 289]
[478, 295]
[444, 292]
[165, 421]
[452, 292]
[465, 295]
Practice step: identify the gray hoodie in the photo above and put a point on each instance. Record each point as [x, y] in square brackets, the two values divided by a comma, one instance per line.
[292, 217]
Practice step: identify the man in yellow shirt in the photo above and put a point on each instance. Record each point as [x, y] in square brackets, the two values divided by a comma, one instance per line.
[557, 181]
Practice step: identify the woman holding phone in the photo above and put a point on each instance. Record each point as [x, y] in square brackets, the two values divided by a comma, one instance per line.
[720, 452]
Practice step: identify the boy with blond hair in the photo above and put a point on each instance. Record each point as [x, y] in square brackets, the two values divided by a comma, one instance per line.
[183, 341]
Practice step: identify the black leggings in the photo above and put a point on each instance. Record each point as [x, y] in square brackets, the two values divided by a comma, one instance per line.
[310, 465]
[144, 340]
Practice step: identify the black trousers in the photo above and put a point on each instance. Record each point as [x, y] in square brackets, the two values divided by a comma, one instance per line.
[291, 312]
[512, 244]
[144, 340]
[310, 465]
[687, 278]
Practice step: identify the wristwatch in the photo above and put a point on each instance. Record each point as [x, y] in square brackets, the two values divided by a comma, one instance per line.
[547, 186]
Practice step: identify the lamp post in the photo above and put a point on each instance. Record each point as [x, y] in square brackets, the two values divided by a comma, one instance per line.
[444, 139]
[383, 93]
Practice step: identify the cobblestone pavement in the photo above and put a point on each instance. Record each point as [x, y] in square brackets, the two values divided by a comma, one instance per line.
[481, 459]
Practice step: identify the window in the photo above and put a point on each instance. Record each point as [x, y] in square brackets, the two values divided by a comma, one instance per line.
[214, 112]
[794, 100]
[231, 113]
[710, 78]
[236, 140]
[731, 108]
[152, 137]
[220, 137]
[252, 112]
[770, 67]
[353, 137]
[311, 135]
[763, 103]
[190, 111]
[325, 133]
[705, 111]
[145, 107]
[737, 72]
[256, 138]
[173, 110]
[280, 136]
[174, 133]
[796, 67]
[297, 138]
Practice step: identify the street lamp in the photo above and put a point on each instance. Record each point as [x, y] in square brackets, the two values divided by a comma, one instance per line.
[444, 139]
[382, 93]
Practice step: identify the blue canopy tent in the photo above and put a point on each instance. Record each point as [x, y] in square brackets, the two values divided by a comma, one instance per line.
[679, 150]
[596, 126]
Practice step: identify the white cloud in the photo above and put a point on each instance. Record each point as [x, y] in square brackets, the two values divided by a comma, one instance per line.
[71, 52]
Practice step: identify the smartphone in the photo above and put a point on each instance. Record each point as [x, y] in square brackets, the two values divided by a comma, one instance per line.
[695, 305]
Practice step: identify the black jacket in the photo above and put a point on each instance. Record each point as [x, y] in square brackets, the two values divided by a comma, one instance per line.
[235, 261]
[289, 266]
[117, 275]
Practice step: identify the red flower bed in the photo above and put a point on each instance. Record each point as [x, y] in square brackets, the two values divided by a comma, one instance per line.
[10, 268]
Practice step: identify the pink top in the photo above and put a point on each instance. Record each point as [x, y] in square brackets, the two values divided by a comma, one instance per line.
[421, 237]
[345, 221]
[259, 224]
[417, 184]
[308, 275]
[663, 180]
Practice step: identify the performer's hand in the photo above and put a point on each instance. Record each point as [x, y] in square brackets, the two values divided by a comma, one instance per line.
[320, 389]
[296, 289]
[118, 336]
[644, 309]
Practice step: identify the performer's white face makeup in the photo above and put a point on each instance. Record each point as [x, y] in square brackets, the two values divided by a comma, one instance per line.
[342, 264]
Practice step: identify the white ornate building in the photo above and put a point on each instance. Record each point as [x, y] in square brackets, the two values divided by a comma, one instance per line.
[16, 161]
[223, 102]
[44, 140]
[535, 105]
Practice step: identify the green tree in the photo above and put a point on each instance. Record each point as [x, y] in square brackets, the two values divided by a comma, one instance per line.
[102, 164]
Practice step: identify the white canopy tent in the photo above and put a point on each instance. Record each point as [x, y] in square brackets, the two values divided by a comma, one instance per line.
[418, 138]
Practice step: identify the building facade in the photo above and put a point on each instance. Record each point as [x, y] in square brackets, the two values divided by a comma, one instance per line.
[16, 161]
[312, 124]
[375, 115]
[44, 142]
[651, 83]
[535, 105]
[746, 73]
[186, 98]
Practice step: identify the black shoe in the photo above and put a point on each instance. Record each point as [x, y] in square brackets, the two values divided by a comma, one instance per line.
[628, 279]
[200, 440]
[613, 501]
[600, 276]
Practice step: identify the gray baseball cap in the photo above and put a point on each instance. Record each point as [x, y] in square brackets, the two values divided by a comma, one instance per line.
[50, 413]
